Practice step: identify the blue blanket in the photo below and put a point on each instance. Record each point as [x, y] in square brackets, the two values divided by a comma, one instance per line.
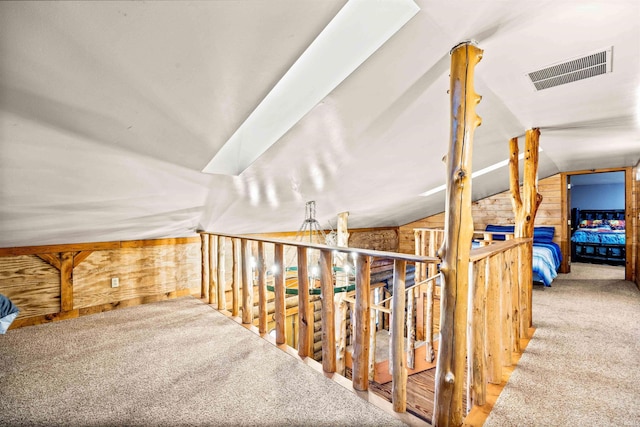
[599, 236]
[8, 313]
[546, 260]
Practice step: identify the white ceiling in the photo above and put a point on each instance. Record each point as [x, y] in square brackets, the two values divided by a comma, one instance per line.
[109, 111]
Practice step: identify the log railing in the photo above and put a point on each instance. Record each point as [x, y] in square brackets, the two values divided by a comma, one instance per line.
[250, 264]
[493, 332]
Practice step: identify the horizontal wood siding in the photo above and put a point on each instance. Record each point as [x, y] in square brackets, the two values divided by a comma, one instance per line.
[497, 209]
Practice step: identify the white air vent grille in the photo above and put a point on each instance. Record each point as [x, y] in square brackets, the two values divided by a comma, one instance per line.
[570, 71]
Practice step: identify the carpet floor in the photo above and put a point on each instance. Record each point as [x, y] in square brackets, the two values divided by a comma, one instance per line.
[172, 363]
[582, 367]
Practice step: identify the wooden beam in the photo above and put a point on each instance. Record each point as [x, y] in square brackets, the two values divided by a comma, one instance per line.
[66, 281]
[450, 371]
[54, 249]
[80, 256]
[51, 259]
[362, 324]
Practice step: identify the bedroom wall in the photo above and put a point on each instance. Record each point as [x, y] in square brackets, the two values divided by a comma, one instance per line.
[635, 215]
[600, 196]
[497, 209]
[148, 270]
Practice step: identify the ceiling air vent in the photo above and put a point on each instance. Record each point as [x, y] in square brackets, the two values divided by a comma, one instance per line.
[570, 71]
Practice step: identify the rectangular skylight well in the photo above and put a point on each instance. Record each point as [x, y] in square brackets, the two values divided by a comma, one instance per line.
[354, 34]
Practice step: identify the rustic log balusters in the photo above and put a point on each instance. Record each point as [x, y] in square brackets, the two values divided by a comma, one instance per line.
[261, 271]
[397, 362]
[305, 312]
[279, 291]
[361, 345]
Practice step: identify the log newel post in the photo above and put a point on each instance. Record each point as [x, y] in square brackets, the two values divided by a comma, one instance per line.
[397, 356]
[305, 313]
[279, 291]
[450, 371]
[362, 341]
[328, 319]
[261, 269]
[525, 208]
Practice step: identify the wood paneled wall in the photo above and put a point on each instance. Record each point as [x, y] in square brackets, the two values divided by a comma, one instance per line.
[497, 209]
[148, 270]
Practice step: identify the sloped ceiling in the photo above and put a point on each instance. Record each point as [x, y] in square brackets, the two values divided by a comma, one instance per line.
[109, 111]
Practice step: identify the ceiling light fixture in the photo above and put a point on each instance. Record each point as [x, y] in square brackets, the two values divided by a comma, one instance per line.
[356, 32]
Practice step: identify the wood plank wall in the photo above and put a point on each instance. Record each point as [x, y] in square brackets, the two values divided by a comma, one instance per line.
[148, 270]
[497, 209]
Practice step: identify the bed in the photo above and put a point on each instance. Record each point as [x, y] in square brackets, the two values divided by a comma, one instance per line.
[8, 313]
[598, 236]
[547, 255]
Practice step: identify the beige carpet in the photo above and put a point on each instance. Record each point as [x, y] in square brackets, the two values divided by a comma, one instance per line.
[582, 367]
[173, 363]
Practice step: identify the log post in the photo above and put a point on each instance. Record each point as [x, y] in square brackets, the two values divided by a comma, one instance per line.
[515, 298]
[398, 366]
[372, 341]
[261, 269]
[305, 315]
[362, 338]
[449, 381]
[506, 312]
[328, 319]
[247, 282]
[430, 351]
[494, 324]
[205, 266]
[420, 276]
[411, 331]
[340, 303]
[525, 208]
[235, 281]
[213, 268]
[279, 291]
[477, 327]
[222, 280]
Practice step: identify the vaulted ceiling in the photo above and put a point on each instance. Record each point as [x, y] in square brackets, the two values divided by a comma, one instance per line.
[109, 111]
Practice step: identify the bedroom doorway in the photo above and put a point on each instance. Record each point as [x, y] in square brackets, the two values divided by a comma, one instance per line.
[598, 201]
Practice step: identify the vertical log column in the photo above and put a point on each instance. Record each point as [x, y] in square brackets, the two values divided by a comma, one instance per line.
[506, 313]
[328, 319]
[261, 268]
[279, 291]
[213, 268]
[305, 313]
[222, 280]
[449, 381]
[525, 208]
[247, 282]
[398, 366]
[362, 339]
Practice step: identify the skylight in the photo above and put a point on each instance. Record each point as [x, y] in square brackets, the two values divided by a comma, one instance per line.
[357, 31]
